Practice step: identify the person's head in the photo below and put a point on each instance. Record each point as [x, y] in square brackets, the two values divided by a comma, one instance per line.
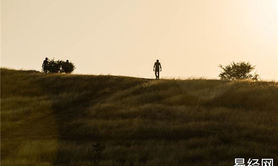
[67, 61]
[157, 60]
[46, 58]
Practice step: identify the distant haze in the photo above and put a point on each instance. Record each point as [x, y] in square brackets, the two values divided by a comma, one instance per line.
[125, 37]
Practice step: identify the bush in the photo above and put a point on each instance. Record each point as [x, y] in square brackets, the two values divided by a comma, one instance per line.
[238, 71]
[59, 66]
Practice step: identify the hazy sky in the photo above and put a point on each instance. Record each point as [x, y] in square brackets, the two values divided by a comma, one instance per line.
[124, 37]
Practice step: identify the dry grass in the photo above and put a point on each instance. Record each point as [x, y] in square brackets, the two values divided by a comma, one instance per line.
[56, 119]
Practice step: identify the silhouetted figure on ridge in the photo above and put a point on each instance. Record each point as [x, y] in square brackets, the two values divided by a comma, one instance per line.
[45, 65]
[67, 66]
[157, 68]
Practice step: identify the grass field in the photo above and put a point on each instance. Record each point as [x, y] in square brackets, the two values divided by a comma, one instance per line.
[82, 120]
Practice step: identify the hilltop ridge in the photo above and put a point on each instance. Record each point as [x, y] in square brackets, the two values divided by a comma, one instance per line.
[55, 119]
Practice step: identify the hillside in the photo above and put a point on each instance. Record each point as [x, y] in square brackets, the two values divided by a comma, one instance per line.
[82, 120]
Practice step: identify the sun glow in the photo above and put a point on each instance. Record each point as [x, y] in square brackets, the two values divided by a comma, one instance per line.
[125, 37]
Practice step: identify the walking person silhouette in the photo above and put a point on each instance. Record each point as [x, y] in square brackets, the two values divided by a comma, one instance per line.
[157, 68]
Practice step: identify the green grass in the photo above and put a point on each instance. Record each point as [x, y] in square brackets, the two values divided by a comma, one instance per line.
[56, 119]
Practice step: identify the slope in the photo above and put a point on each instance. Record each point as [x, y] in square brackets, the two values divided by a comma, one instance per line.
[60, 119]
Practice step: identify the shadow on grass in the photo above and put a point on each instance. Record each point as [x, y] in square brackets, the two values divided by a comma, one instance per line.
[71, 98]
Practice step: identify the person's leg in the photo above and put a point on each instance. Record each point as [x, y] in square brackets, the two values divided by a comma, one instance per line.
[158, 75]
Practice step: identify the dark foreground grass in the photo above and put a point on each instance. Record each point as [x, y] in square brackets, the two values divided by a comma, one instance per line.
[79, 120]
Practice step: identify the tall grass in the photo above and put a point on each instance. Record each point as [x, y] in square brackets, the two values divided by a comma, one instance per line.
[58, 119]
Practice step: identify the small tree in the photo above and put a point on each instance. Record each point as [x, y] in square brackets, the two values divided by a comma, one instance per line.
[238, 71]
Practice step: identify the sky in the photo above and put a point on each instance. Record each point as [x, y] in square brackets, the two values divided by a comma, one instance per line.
[191, 38]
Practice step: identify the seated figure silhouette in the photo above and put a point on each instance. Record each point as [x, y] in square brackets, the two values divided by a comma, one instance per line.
[157, 68]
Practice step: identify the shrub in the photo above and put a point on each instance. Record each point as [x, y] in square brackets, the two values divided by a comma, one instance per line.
[238, 71]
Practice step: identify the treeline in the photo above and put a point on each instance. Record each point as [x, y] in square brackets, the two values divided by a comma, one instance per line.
[59, 66]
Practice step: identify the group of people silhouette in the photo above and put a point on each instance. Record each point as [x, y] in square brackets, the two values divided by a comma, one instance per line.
[58, 66]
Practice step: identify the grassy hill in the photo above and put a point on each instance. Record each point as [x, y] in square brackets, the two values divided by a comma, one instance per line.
[82, 120]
